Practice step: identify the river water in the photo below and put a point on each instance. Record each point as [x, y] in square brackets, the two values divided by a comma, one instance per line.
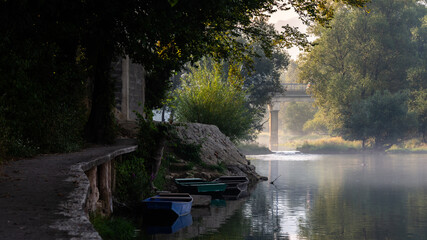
[341, 197]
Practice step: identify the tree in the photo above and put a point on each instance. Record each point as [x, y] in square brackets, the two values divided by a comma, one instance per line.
[291, 73]
[363, 52]
[296, 114]
[206, 98]
[83, 37]
[417, 77]
[260, 74]
[42, 79]
[418, 104]
[319, 124]
[382, 118]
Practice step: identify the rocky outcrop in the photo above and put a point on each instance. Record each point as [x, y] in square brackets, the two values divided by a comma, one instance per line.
[216, 149]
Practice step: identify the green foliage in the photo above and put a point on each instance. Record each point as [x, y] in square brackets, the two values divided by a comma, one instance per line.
[418, 104]
[160, 181]
[207, 98]
[262, 74]
[220, 167]
[330, 145]
[131, 179]
[414, 145]
[296, 114]
[113, 228]
[188, 151]
[252, 148]
[42, 100]
[49, 49]
[149, 134]
[133, 171]
[319, 124]
[291, 73]
[383, 117]
[363, 53]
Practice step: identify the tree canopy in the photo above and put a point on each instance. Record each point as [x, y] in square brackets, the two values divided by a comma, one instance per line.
[362, 53]
[72, 43]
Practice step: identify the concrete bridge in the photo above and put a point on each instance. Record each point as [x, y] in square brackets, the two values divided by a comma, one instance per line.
[295, 92]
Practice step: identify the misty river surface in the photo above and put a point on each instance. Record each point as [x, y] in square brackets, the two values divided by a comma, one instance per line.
[341, 197]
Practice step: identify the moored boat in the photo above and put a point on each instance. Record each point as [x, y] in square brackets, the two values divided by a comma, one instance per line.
[177, 203]
[199, 186]
[235, 184]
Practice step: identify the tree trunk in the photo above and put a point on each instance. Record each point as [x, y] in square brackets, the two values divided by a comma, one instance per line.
[158, 155]
[100, 127]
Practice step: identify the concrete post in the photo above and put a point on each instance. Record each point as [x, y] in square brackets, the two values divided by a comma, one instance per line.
[105, 187]
[125, 87]
[113, 173]
[274, 125]
[93, 195]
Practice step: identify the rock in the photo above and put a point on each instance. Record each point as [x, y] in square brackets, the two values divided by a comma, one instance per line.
[203, 175]
[216, 149]
[262, 178]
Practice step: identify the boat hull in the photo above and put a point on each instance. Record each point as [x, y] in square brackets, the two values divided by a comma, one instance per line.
[180, 205]
[235, 184]
[200, 186]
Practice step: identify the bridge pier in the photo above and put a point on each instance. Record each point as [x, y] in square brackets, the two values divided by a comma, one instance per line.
[273, 109]
[294, 93]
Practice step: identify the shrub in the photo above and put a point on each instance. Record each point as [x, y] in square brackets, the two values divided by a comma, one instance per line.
[188, 151]
[131, 179]
[113, 228]
[330, 145]
[205, 97]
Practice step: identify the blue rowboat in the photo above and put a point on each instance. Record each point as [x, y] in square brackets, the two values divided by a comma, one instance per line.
[177, 203]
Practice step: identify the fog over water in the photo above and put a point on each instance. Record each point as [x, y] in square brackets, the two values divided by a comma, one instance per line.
[345, 196]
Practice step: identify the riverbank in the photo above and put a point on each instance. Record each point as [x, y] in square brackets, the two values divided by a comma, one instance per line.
[45, 197]
[336, 145]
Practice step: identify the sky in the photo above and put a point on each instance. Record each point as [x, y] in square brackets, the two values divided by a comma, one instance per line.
[281, 18]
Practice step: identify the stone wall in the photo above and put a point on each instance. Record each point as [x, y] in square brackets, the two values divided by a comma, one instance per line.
[136, 89]
[129, 89]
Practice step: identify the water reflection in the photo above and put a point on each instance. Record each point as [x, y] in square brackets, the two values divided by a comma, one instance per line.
[323, 197]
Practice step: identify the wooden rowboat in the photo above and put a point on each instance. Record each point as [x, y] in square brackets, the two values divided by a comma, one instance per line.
[199, 186]
[235, 184]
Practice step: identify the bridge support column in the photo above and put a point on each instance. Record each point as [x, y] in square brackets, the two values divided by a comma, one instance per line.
[274, 125]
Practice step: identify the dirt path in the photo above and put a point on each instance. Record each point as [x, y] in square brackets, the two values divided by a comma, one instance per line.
[35, 193]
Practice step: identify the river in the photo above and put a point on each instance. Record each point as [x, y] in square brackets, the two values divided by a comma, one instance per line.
[355, 196]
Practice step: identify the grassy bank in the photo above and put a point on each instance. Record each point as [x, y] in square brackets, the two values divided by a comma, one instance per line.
[410, 146]
[338, 145]
[253, 149]
[330, 145]
[113, 228]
